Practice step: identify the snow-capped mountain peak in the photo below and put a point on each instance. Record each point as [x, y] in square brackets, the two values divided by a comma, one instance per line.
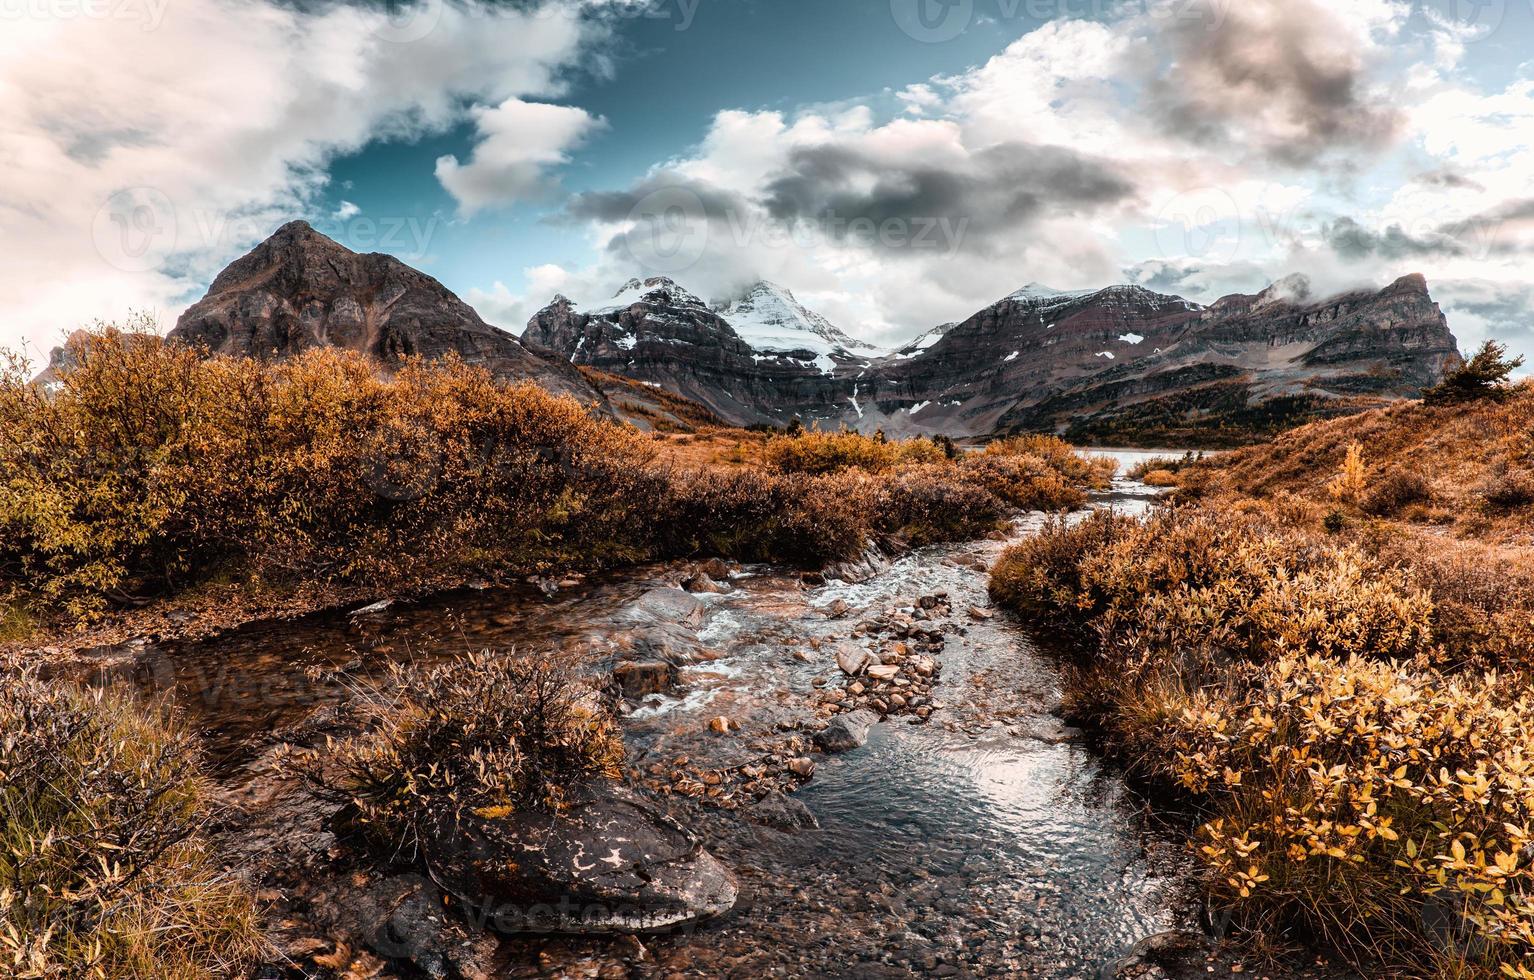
[1039, 293]
[658, 289]
[771, 320]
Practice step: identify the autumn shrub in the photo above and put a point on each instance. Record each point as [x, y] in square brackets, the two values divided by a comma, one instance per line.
[149, 466]
[1024, 480]
[758, 515]
[1089, 471]
[1508, 487]
[935, 503]
[105, 868]
[1042, 574]
[479, 735]
[1393, 492]
[1353, 778]
[146, 469]
[1387, 809]
[815, 452]
[1162, 464]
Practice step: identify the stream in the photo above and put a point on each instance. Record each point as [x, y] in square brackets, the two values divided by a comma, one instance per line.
[988, 840]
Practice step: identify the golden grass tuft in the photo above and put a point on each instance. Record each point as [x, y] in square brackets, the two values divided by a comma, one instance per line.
[489, 733]
[104, 867]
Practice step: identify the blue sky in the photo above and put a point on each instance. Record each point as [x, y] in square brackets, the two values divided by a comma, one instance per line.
[897, 163]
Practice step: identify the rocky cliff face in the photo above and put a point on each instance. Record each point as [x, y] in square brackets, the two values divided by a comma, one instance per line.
[299, 289]
[1121, 361]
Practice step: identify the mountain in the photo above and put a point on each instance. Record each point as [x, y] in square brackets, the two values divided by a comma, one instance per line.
[769, 319]
[1254, 365]
[657, 332]
[1122, 362]
[300, 289]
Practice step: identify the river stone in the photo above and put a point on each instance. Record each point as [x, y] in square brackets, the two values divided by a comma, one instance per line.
[611, 862]
[667, 606]
[782, 812]
[846, 731]
[715, 569]
[852, 658]
[638, 678]
[1175, 953]
[870, 563]
[701, 582]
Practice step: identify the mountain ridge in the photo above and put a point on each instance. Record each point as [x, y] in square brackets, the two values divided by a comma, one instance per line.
[1118, 360]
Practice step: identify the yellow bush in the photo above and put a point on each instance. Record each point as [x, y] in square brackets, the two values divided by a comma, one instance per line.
[1352, 480]
[816, 452]
[1289, 684]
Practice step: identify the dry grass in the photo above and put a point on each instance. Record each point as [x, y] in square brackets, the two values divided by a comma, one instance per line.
[1470, 463]
[491, 733]
[104, 869]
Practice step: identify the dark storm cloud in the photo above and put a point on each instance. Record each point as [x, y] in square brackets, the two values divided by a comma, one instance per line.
[697, 199]
[1273, 78]
[997, 190]
[1353, 241]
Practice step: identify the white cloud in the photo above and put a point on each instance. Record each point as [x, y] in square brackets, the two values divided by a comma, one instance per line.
[139, 161]
[519, 143]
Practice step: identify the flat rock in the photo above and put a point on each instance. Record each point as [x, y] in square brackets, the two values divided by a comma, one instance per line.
[611, 862]
[846, 731]
[852, 659]
[662, 605]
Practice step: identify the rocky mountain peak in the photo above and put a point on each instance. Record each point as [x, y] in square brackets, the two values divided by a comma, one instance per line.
[1292, 290]
[770, 319]
[299, 289]
[656, 290]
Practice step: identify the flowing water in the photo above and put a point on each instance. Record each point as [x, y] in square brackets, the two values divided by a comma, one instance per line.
[989, 842]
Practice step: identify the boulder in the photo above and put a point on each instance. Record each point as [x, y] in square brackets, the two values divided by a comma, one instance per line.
[782, 812]
[640, 677]
[612, 862]
[715, 569]
[666, 606]
[870, 563]
[846, 731]
[702, 582]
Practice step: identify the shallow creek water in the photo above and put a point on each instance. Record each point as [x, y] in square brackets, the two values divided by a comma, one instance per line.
[990, 841]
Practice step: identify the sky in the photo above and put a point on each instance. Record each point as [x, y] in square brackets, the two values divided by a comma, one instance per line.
[896, 163]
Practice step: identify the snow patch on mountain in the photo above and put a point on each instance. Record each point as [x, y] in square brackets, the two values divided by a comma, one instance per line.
[770, 319]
